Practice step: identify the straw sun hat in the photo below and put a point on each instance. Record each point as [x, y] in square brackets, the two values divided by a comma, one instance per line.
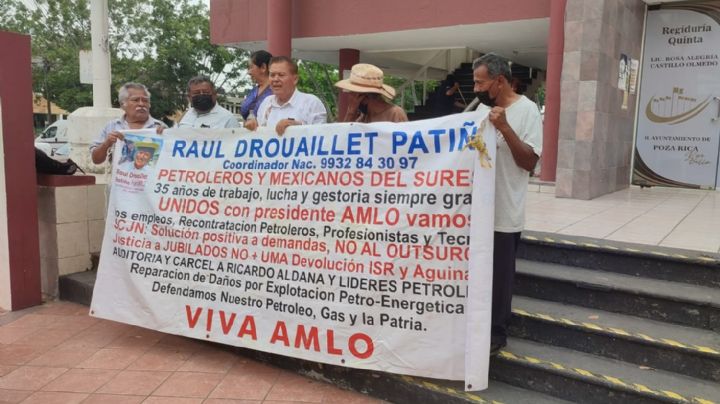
[366, 78]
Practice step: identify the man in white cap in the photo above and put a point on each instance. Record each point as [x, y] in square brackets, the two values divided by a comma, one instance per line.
[370, 98]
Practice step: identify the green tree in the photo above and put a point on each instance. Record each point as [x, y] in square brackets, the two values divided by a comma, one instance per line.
[160, 43]
[540, 95]
[168, 44]
[58, 32]
[319, 79]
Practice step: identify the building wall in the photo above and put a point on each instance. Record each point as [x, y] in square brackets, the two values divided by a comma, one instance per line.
[596, 135]
[233, 21]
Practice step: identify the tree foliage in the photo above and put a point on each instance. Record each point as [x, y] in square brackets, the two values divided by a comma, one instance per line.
[540, 95]
[160, 43]
[319, 79]
[405, 97]
[58, 33]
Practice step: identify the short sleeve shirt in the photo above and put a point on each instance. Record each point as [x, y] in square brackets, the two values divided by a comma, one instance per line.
[217, 118]
[392, 114]
[304, 108]
[121, 124]
[511, 181]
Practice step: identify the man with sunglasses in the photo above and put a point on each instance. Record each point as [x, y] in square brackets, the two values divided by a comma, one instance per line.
[519, 144]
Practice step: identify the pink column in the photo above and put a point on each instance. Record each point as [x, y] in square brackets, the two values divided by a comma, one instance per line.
[22, 263]
[348, 58]
[551, 126]
[279, 27]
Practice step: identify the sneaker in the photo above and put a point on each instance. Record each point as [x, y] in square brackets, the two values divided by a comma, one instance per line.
[495, 348]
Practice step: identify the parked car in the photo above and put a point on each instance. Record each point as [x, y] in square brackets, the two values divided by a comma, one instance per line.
[62, 153]
[53, 138]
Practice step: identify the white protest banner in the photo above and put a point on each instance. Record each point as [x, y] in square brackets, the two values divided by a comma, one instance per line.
[347, 244]
[676, 141]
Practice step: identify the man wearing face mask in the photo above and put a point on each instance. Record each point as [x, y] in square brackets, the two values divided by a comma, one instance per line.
[519, 144]
[205, 112]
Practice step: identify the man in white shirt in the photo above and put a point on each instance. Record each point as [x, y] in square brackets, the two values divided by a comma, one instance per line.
[287, 106]
[205, 112]
[519, 145]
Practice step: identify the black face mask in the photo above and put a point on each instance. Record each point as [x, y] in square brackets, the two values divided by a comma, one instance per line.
[202, 102]
[484, 97]
[363, 108]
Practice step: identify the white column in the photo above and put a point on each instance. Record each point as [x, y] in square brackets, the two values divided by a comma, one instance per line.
[100, 53]
[84, 124]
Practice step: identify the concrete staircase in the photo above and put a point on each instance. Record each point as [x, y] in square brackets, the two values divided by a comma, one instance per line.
[593, 322]
[464, 75]
[601, 322]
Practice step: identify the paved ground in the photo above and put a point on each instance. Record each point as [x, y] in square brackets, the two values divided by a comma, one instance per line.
[56, 353]
[666, 217]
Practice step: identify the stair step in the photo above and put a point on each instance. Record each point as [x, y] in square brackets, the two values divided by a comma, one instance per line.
[587, 378]
[404, 389]
[675, 348]
[505, 393]
[626, 258]
[77, 287]
[447, 392]
[673, 302]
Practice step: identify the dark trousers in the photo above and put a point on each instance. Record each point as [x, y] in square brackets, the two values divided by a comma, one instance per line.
[504, 253]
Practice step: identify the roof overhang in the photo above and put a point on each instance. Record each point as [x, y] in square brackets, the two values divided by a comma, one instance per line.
[402, 53]
[655, 2]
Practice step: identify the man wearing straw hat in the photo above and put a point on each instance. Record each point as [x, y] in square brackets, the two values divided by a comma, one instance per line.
[370, 98]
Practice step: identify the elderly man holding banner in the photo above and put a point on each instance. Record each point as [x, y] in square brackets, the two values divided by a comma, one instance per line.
[134, 100]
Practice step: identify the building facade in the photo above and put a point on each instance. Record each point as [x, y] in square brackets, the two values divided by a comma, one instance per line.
[578, 45]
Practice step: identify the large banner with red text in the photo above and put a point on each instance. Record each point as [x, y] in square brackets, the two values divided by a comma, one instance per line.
[360, 245]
